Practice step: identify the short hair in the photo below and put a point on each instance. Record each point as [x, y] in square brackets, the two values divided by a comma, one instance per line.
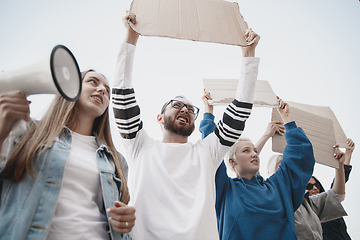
[232, 151]
[165, 104]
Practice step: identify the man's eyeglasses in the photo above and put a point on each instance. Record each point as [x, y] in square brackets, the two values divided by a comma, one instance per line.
[310, 186]
[179, 105]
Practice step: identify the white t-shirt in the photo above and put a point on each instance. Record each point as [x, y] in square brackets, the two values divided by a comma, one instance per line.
[172, 185]
[172, 188]
[77, 213]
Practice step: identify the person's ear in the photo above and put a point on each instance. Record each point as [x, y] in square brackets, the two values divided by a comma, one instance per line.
[160, 118]
[232, 162]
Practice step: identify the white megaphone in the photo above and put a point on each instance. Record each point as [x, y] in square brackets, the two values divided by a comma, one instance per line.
[56, 74]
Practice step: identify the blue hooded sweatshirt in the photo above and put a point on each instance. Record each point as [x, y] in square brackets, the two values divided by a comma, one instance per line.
[264, 209]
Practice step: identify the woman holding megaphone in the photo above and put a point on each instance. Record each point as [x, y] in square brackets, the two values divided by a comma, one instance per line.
[63, 178]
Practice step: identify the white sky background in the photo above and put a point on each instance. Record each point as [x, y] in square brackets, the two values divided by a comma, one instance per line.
[309, 54]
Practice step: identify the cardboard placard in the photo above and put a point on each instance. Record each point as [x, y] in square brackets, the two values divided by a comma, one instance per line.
[214, 21]
[319, 123]
[326, 112]
[223, 92]
[319, 130]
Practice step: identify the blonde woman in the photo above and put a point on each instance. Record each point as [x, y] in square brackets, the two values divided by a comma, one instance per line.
[63, 178]
[249, 207]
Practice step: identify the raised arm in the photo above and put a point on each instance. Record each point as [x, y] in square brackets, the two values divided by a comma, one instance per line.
[272, 128]
[275, 127]
[13, 107]
[339, 182]
[232, 124]
[207, 125]
[325, 205]
[298, 161]
[347, 167]
[126, 110]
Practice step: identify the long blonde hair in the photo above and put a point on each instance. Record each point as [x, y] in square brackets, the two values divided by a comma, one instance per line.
[41, 135]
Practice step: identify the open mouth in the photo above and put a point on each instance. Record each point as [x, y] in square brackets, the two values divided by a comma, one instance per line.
[99, 99]
[255, 161]
[182, 119]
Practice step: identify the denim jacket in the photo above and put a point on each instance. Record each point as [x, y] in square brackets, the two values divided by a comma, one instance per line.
[27, 207]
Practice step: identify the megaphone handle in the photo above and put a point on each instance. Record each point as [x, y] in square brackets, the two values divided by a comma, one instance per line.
[19, 127]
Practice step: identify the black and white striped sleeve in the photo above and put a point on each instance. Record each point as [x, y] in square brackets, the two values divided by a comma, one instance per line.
[126, 112]
[229, 129]
[125, 107]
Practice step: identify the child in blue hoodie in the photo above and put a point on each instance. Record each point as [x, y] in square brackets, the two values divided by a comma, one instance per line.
[249, 207]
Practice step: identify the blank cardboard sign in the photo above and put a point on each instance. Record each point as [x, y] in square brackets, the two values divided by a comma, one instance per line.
[319, 123]
[223, 92]
[327, 113]
[214, 21]
[319, 130]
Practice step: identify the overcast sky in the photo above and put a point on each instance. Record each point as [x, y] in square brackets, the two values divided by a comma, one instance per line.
[309, 54]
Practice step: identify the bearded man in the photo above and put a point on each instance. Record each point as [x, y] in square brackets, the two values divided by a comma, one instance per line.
[172, 182]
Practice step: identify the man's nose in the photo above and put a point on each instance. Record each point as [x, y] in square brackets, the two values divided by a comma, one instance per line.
[184, 108]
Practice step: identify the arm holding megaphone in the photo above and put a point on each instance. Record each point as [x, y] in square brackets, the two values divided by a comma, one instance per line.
[13, 107]
[56, 73]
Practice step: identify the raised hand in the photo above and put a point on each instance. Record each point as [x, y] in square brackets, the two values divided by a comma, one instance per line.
[284, 110]
[131, 36]
[274, 127]
[351, 145]
[250, 36]
[349, 150]
[338, 154]
[207, 96]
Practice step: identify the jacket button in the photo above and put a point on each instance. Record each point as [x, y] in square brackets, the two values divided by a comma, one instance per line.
[110, 180]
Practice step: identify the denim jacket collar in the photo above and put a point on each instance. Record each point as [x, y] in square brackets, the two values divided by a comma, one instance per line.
[101, 145]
